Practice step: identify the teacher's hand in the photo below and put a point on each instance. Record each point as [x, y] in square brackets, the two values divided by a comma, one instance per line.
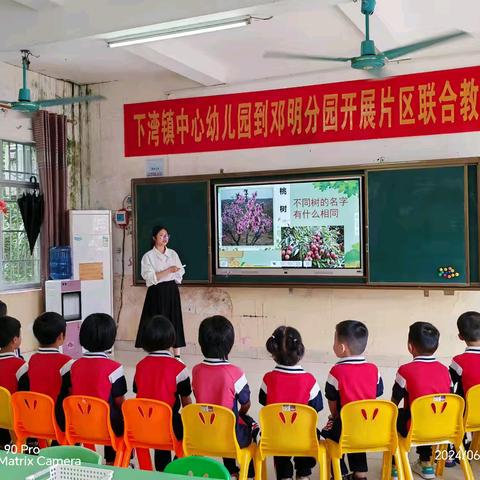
[173, 269]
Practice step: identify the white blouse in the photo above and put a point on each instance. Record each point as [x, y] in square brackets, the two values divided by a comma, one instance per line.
[155, 261]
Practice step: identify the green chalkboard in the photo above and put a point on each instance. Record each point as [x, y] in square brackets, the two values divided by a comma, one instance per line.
[416, 224]
[183, 207]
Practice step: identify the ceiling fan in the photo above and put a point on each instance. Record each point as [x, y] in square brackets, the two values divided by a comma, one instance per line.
[370, 59]
[24, 103]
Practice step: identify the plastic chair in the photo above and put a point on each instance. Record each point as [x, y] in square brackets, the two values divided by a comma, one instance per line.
[289, 430]
[74, 453]
[148, 424]
[472, 416]
[87, 421]
[198, 467]
[34, 417]
[368, 426]
[6, 412]
[209, 430]
[436, 420]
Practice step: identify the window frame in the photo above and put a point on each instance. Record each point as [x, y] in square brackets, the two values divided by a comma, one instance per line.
[21, 185]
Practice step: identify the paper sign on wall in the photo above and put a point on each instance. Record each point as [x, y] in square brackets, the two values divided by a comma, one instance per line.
[154, 167]
[91, 271]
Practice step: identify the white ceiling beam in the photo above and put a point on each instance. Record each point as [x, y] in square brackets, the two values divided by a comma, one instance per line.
[184, 60]
[40, 4]
[85, 18]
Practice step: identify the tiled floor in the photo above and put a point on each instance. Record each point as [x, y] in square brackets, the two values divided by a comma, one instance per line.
[254, 370]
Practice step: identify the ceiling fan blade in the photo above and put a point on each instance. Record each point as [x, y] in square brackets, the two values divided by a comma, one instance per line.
[68, 101]
[413, 47]
[299, 56]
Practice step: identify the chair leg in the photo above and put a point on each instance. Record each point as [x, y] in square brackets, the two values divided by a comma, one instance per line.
[399, 465]
[386, 466]
[465, 464]
[119, 456]
[323, 464]
[42, 443]
[19, 443]
[126, 457]
[475, 442]
[337, 471]
[144, 459]
[407, 470]
[244, 461]
[258, 467]
[438, 453]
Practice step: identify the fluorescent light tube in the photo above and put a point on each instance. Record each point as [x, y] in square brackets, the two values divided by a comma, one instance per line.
[180, 32]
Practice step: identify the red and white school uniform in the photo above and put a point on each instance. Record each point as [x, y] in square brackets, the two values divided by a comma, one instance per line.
[13, 373]
[424, 376]
[218, 382]
[97, 375]
[46, 370]
[160, 376]
[291, 384]
[465, 370]
[351, 379]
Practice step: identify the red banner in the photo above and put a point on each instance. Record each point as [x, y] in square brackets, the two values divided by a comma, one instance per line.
[419, 104]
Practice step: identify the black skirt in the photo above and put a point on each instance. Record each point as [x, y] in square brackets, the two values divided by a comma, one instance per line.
[163, 299]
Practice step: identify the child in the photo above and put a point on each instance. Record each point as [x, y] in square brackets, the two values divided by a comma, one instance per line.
[350, 380]
[4, 313]
[13, 370]
[3, 309]
[95, 374]
[48, 366]
[424, 376]
[288, 382]
[160, 376]
[465, 368]
[217, 381]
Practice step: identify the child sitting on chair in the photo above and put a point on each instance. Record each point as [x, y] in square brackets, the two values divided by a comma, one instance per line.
[351, 379]
[13, 370]
[97, 375]
[48, 366]
[288, 382]
[218, 382]
[465, 368]
[424, 376]
[161, 376]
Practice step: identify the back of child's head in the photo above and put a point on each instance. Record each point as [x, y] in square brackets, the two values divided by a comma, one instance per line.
[9, 329]
[98, 332]
[48, 327]
[3, 309]
[216, 337]
[158, 334]
[424, 337]
[354, 334]
[468, 324]
[286, 346]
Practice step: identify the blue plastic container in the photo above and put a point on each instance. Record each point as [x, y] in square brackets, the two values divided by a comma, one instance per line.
[60, 263]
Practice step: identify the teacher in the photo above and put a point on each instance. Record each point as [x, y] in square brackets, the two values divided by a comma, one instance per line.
[162, 270]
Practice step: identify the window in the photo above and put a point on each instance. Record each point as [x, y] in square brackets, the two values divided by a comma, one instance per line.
[19, 269]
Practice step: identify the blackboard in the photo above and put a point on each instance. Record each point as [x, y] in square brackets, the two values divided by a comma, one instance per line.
[183, 207]
[417, 219]
[416, 224]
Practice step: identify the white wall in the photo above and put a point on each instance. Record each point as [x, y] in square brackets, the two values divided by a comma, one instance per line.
[15, 126]
[257, 311]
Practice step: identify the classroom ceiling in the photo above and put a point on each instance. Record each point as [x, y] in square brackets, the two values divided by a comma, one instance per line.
[70, 37]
